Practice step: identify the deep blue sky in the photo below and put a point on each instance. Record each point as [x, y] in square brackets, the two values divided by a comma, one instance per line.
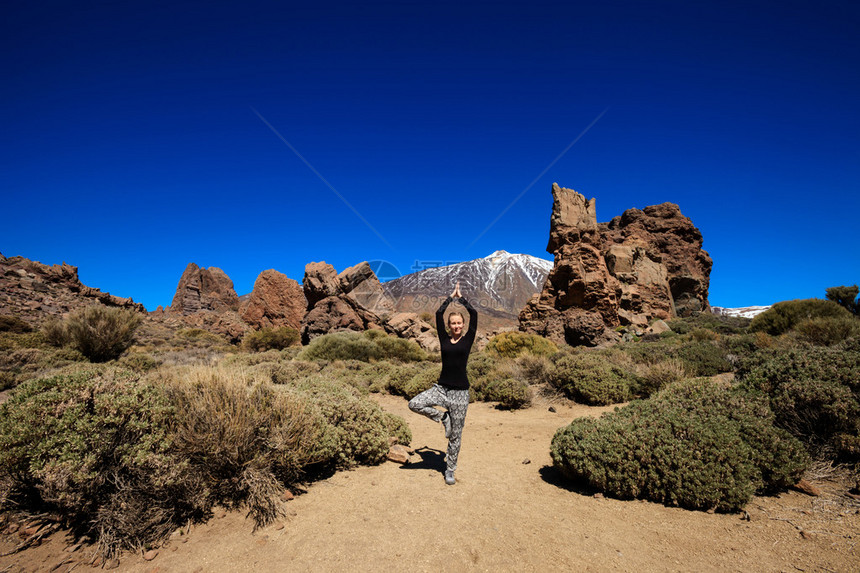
[130, 147]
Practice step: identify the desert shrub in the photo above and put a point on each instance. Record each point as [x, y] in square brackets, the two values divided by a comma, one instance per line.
[395, 348]
[22, 363]
[660, 374]
[356, 430]
[242, 437]
[412, 383]
[703, 358]
[293, 370]
[244, 359]
[702, 334]
[55, 332]
[590, 379]
[198, 338]
[845, 296]
[13, 324]
[695, 444]
[705, 320]
[784, 316]
[480, 365]
[535, 369]
[138, 362]
[427, 317]
[500, 380]
[813, 392]
[101, 333]
[828, 331]
[94, 445]
[510, 393]
[513, 344]
[365, 346]
[271, 339]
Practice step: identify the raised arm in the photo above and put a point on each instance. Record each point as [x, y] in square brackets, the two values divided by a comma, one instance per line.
[440, 317]
[473, 316]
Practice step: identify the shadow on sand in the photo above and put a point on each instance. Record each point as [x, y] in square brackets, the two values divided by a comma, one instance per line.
[552, 476]
[430, 460]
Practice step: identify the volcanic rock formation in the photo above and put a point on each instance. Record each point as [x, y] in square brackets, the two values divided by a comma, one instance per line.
[204, 289]
[33, 291]
[205, 298]
[275, 301]
[352, 300]
[642, 265]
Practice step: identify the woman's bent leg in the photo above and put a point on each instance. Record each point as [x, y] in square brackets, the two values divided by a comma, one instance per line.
[423, 403]
[458, 403]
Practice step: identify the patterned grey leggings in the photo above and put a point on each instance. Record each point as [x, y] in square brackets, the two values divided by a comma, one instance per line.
[457, 402]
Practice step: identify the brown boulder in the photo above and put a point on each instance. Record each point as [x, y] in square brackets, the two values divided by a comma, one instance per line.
[320, 282]
[204, 289]
[275, 301]
[331, 314]
[398, 454]
[409, 325]
[642, 265]
[349, 301]
[361, 285]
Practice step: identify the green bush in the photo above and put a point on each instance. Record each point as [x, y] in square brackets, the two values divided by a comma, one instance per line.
[126, 459]
[704, 358]
[828, 331]
[102, 333]
[784, 316]
[294, 370]
[55, 332]
[20, 363]
[535, 369]
[513, 344]
[365, 346]
[13, 324]
[411, 383]
[242, 438]
[510, 393]
[271, 339]
[197, 338]
[813, 392]
[705, 320]
[356, 431]
[694, 444]
[95, 445]
[659, 375]
[591, 379]
[138, 362]
[846, 297]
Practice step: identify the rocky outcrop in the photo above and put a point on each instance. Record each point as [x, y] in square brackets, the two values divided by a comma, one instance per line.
[351, 300]
[643, 265]
[34, 291]
[360, 284]
[409, 325]
[275, 301]
[662, 234]
[206, 299]
[204, 290]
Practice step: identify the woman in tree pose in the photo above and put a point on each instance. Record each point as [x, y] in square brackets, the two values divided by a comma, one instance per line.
[452, 389]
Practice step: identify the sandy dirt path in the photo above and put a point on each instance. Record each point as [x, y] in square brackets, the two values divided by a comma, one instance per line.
[503, 515]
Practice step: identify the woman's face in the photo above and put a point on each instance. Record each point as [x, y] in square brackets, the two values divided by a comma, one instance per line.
[455, 323]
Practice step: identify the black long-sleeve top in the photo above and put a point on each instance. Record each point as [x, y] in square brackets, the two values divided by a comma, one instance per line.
[455, 355]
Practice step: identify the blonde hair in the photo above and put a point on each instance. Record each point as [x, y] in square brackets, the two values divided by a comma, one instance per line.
[458, 313]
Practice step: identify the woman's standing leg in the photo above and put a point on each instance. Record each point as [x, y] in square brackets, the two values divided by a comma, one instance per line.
[458, 403]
